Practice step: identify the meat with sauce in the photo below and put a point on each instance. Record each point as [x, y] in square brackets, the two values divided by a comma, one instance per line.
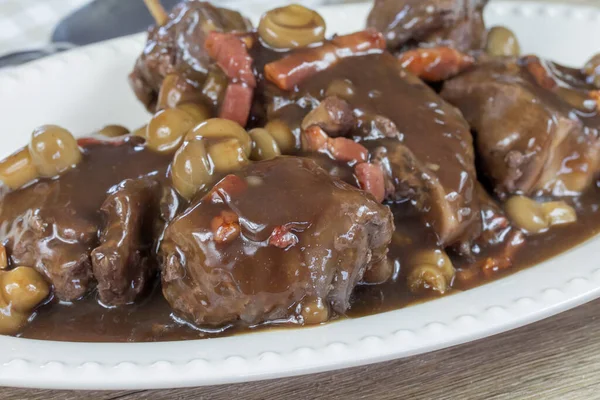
[53, 224]
[40, 230]
[536, 125]
[425, 23]
[177, 49]
[123, 263]
[268, 242]
[422, 143]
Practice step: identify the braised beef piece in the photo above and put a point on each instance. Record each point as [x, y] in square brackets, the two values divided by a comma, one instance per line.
[409, 23]
[53, 224]
[170, 205]
[178, 48]
[123, 263]
[423, 144]
[41, 230]
[496, 225]
[537, 125]
[269, 239]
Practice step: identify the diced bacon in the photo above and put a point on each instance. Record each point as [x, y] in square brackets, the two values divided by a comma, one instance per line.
[237, 103]
[231, 54]
[225, 227]
[340, 148]
[282, 237]
[371, 179]
[316, 138]
[347, 150]
[435, 64]
[359, 42]
[289, 71]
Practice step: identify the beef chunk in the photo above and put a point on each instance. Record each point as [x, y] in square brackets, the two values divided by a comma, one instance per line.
[178, 48]
[537, 128]
[451, 214]
[423, 143]
[40, 230]
[53, 224]
[265, 241]
[123, 264]
[453, 23]
[494, 232]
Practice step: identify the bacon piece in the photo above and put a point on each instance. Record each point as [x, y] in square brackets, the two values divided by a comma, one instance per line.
[435, 64]
[371, 179]
[289, 71]
[316, 138]
[541, 75]
[225, 227]
[282, 237]
[237, 103]
[340, 148]
[231, 54]
[347, 150]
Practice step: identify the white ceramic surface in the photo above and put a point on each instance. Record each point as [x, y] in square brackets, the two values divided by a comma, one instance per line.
[86, 88]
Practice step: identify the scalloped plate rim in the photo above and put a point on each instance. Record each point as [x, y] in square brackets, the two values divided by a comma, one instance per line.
[539, 292]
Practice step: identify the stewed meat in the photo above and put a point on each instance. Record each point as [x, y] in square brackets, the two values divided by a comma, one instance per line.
[537, 125]
[53, 224]
[333, 183]
[178, 48]
[123, 263]
[422, 143]
[270, 240]
[408, 23]
[40, 230]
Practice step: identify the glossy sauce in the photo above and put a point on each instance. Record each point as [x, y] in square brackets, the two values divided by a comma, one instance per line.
[393, 295]
[152, 319]
[429, 138]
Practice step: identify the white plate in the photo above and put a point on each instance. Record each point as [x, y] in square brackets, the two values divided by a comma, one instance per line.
[86, 88]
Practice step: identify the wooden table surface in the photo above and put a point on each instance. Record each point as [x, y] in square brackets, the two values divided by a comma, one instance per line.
[558, 358]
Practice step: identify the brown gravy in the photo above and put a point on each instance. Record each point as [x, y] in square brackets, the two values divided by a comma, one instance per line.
[152, 319]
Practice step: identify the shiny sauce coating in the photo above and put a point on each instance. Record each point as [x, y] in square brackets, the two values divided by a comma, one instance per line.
[152, 319]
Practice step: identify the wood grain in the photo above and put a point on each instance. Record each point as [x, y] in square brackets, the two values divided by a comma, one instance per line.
[558, 358]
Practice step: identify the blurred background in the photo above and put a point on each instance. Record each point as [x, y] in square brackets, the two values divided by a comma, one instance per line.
[30, 29]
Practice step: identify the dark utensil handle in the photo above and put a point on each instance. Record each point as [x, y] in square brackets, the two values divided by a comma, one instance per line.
[21, 57]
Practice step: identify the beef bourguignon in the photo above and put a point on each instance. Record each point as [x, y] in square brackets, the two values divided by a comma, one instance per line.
[285, 178]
